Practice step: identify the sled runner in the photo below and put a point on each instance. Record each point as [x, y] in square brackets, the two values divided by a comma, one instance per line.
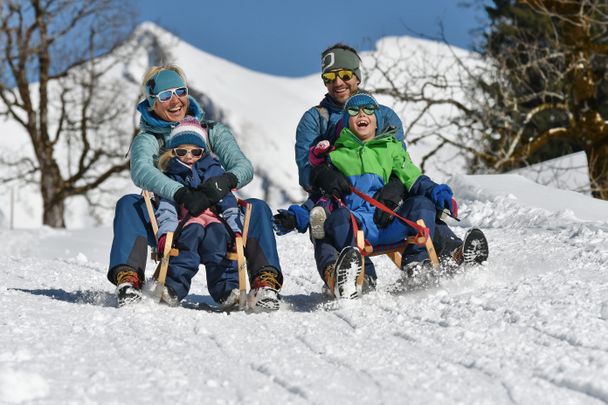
[238, 254]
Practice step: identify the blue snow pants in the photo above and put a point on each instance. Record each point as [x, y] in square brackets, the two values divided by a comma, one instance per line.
[133, 234]
[203, 245]
[339, 233]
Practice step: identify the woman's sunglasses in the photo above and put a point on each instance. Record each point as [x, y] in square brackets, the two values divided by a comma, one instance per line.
[343, 74]
[181, 152]
[367, 109]
[166, 95]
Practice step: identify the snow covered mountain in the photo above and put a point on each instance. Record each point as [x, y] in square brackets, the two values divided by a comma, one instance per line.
[262, 110]
[529, 327]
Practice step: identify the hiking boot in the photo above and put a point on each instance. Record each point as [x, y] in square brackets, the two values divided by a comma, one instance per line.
[231, 303]
[317, 222]
[264, 294]
[474, 249]
[128, 287]
[169, 297]
[347, 269]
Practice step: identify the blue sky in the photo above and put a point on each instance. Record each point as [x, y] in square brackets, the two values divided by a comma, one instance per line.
[285, 37]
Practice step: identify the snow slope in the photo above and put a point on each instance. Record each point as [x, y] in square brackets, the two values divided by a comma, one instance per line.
[529, 327]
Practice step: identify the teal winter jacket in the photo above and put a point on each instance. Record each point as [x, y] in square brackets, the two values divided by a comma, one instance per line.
[154, 132]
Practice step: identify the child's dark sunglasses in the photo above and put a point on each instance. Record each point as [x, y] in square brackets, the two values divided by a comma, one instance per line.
[165, 95]
[367, 109]
[181, 152]
[343, 74]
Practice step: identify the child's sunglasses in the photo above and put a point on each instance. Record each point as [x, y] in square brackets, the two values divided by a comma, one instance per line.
[181, 152]
[166, 95]
[367, 109]
[343, 74]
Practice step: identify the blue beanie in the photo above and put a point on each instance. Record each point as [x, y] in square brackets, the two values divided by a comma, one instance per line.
[362, 100]
[188, 132]
[163, 80]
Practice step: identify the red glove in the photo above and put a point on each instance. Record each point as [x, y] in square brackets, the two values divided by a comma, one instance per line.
[160, 245]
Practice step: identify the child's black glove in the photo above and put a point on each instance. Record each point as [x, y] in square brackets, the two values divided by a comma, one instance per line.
[390, 195]
[216, 188]
[195, 201]
[330, 181]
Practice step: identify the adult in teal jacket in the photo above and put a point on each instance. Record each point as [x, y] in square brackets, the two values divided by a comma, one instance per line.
[166, 103]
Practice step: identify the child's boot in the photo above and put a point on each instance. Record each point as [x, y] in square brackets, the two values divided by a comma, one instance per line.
[474, 248]
[347, 269]
[317, 222]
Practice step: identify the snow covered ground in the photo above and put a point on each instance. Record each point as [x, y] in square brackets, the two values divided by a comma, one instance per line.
[529, 327]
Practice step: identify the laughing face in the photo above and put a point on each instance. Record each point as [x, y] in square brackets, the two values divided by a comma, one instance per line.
[173, 110]
[340, 90]
[363, 125]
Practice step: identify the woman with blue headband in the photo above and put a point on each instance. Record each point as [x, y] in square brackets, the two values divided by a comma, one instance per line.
[167, 102]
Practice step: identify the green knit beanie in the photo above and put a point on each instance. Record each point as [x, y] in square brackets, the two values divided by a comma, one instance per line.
[339, 58]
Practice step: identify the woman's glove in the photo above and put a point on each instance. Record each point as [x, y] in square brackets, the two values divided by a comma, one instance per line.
[216, 188]
[194, 200]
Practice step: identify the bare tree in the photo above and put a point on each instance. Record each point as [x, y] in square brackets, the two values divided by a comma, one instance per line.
[525, 92]
[56, 84]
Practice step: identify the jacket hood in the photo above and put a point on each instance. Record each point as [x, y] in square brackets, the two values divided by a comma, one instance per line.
[149, 122]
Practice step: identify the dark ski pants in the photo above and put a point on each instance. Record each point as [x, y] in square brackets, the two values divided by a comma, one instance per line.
[339, 233]
[203, 245]
[133, 234]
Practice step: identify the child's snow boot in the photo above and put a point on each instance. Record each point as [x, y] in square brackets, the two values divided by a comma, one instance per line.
[347, 269]
[474, 249]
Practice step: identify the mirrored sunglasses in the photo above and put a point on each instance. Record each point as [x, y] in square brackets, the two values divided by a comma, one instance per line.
[367, 109]
[166, 95]
[343, 74]
[181, 152]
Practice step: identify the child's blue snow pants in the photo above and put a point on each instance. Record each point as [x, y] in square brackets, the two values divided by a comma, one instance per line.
[339, 233]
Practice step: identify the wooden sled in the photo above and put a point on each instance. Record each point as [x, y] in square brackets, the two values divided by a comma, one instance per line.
[238, 254]
[394, 251]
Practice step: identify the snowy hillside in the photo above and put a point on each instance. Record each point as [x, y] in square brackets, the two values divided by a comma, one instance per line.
[262, 110]
[529, 327]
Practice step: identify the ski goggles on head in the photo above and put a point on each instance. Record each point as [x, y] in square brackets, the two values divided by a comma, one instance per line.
[166, 95]
[367, 109]
[196, 152]
[343, 74]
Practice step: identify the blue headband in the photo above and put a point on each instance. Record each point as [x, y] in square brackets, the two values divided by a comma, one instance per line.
[163, 80]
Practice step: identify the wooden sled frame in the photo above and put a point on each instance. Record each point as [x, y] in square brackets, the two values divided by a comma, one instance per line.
[394, 252]
[160, 274]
